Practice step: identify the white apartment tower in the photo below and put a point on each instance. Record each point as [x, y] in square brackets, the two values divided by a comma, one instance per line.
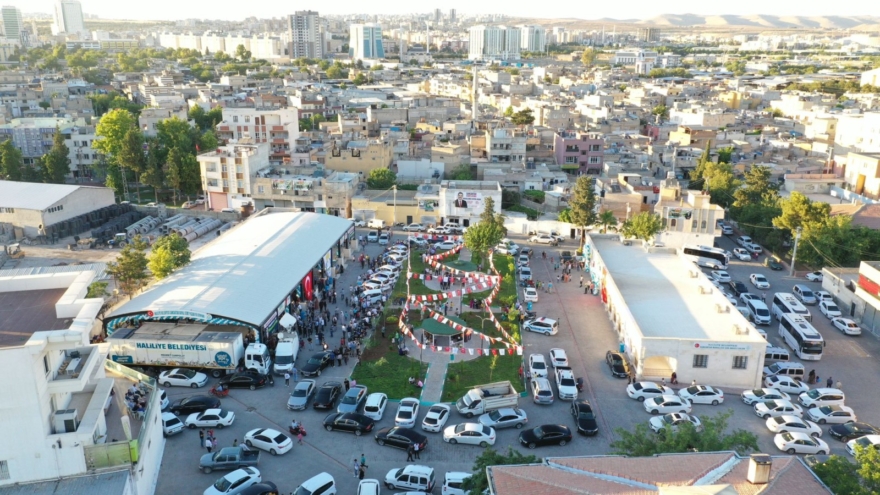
[69, 18]
[533, 38]
[366, 42]
[451, 16]
[306, 35]
[12, 25]
[494, 42]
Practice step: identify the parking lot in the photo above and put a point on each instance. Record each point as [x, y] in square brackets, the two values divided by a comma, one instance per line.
[585, 333]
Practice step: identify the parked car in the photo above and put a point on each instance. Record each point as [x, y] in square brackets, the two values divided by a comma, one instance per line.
[505, 417]
[763, 395]
[373, 236]
[543, 239]
[847, 326]
[742, 254]
[759, 281]
[525, 273]
[545, 435]
[470, 433]
[414, 227]
[787, 384]
[212, 418]
[720, 276]
[317, 363]
[702, 394]
[353, 399]
[775, 408]
[530, 294]
[407, 412]
[617, 363]
[646, 390]
[272, 441]
[558, 357]
[673, 421]
[413, 477]
[830, 310]
[866, 442]
[814, 276]
[851, 431]
[738, 288]
[789, 423]
[401, 438]
[773, 264]
[436, 417]
[537, 366]
[726, 229]
[235, 482]
[667, 404]
[800, 443]
[351, 422]
[374, 407]
[584, 418]
[302, 393]
[196, 403]
[743, 240]
[836, 414]
[245, 379]
[326, 396]
[546, 326]
[182, 377]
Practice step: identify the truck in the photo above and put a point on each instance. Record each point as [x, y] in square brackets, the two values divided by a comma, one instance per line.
[161, 344]
[286, 351]
[484, 398]
[229, 458]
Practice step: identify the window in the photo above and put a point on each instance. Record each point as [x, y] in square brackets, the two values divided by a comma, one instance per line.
[260, 189]
[672, 222]
[740, 362]
[4, 470]
[594, 159]
[701, 360]
[46, 363]
[235, 118]
[247, 118]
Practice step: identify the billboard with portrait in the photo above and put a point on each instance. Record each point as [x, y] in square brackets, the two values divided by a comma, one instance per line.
[462, 202]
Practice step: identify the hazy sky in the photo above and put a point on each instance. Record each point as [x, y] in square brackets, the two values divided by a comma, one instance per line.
[640, 9]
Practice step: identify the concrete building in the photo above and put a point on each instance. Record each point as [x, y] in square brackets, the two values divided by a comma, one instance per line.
[713, 119]
[305, 189]
[365, 41]
[686, 220]
[505, 145]
[12, 25]
[277, 126]
[871, 77]
[306, 35]
[649, 35]
[82, 156]
[69, 19]
[462, 201]
[533, 38]
[68, 426]
[858, 133]
[581, 151]
[863, 173]
[227, 173]
[642, 60]
[29, 206]
[359, 157]
[149, 118]
[494, 43]
[33, 136]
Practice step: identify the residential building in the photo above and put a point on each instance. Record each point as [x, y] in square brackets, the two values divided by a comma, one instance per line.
[69, 19]
[578, 151]
[863, 173]
[359, 156]
[365, 41]
[463, 201]
[451, 16]
[494, 42]
[33, 136]
[533, 38]
[686, 220]
[12, 25]
[307, 190]
[229, 171]
[149, 118]
[871, 77]
[505, 145]
[82, 156]
[858, 133]
[642, 60]
[649, 35]
[277, 126]
[68, 411]
[306, 35]
[713, 119]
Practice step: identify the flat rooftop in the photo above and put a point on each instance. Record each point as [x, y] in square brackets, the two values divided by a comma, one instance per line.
[23, 313]
[663, 299]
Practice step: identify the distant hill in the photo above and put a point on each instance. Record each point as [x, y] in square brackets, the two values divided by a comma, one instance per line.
[754, 21]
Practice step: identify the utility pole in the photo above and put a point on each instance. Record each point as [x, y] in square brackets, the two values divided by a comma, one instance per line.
[797, 237]
[394, 187]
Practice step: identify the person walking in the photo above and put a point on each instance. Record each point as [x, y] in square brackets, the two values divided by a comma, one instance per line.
[363, 460]
[416, 450]
[202, 437]
[582, 281]
[299, 437]
[829, 382]
[362, 472]
[209, 445]
[295, 374]
[287, 379]
[355, 468]
[409, 453]
[838, 385]
[214, 442]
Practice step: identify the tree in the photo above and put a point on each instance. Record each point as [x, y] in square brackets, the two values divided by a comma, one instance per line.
[607, 219]
[174, 170]
[177, 133]
[381, 178]
[661, 112]
[583, 204]
[242, 53]
[564, 215]
[523, 117]
[718, 179]
[508, 112]
[359, 79]
[800, 211]
[317, 119]
[169, 253]
[642, 442]
[756, 189]
[840, 475]
[152, 173]
[11, 162]
[696, 182]
[130, 268]
[335, 72]
[131, 155]
[588, 57]
[509, 198]
[478, 482]
[56, 163]
[111, 132]
[644, 226]
[462, 172]
[97, 289]
[725, 154]
[208, 141]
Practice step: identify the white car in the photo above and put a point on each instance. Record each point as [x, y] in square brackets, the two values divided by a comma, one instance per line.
[754, 248]
[436, 417]
[821, 397]
[667, 404]
[235, 482]
[742, 254]
[543, 239]
[438, 231]
[789, 423]
[672, 421]
[745, 297]
[445, 245]
[866, 442]
[414, 227]
[830, 310]
[375, 406]
[543, 325]
[505, 418]
[272, 441]
[847, 326]
[823, 295]
[743, 240]
[530, 294]
[525, 273]
[720, 276]
[471, 433]
[800, 443]
[837, 414]
[702, 394]
[565, 384]
[373, 237]
[774, 408]
[383, 240]
[558, 357]
[360, 223]
[210, 418]
[787, 384]
[384, 277]
[814, 276]
[523, 260]
[759, 281]
[368, 487]
[507, 249]
[407, 412]
[537, 366]
[182, 377]
[763, 395]
[418, 241]
[726, 229]
[646, 390]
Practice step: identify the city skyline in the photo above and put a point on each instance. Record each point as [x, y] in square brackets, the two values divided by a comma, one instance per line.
[636, 9]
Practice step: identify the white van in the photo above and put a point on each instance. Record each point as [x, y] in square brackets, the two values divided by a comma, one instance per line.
[452, 481]
[759, 312]
[376, 223]
[776, 354]
[785, 368]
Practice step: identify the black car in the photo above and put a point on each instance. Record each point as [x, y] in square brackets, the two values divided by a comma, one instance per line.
[566, 256]
[316, 363]
[245, 379]
[264, 488]
[194, 404]
[545, 435]
[351, 422]
[584, 418]
[738, 287]
[850, 431]
[400, 437]
[327, 395]
[617, 363]
[772, 264]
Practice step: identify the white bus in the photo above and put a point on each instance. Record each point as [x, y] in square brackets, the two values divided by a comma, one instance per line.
[785, 303]
[709, 257]
[800, 335]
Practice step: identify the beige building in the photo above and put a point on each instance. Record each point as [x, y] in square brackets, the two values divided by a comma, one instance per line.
[229, 172]
[307, 191]
[150, 117]
[359, 156]
[686, 220]
[863, 173]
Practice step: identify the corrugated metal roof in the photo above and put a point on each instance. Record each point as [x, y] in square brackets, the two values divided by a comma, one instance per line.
[101, 268]
[81, 485]
[33, 195]
[246, 272]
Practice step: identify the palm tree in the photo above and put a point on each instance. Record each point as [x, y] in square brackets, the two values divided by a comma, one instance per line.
[607, 219]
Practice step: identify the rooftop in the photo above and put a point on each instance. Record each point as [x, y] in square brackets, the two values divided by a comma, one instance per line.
[34, 195]
[658, 283]
[24, 313]
[115, 482]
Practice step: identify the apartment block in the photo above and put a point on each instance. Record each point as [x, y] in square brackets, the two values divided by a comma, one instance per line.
[494, 42]
[278, 127]
[305, 189]
[365, 41]
[306, 35]
[359, 156]
[33, 136]
[505, 145]
[229, 171]
[579, 151]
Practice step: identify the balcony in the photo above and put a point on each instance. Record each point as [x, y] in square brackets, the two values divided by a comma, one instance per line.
[73, 374]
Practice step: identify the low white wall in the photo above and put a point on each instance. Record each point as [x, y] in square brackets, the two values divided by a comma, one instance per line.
[38, 282]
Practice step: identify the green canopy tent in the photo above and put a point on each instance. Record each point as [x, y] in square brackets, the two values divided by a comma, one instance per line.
[439, 334]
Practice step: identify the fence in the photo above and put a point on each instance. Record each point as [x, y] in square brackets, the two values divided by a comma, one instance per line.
[106, 455]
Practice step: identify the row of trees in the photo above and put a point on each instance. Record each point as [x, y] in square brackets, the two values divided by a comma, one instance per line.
[52, 167]
[169, 253]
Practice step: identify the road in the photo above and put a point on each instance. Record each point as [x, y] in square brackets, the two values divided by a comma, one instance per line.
[585, 332]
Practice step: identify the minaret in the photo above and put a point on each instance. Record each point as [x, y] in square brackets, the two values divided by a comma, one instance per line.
[475, 113]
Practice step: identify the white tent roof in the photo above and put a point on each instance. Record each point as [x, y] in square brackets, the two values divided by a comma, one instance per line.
[248, 271]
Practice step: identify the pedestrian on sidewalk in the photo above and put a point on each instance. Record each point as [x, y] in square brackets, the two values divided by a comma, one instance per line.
[582, 281]
[287, 379]
[409, 453]
[829, 382]
[202, 437]
[295, 374]
[209, 444]
[416, 450]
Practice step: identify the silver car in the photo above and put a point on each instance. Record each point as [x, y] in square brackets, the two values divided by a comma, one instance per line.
[301, 395]
[353, 399]
[504, 418]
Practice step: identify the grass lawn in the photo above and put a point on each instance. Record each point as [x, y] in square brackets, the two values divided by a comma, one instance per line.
[462, 376]
[473, 321]
[382, 369]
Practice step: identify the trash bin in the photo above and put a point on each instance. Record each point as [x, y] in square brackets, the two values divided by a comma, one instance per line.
[622, 347]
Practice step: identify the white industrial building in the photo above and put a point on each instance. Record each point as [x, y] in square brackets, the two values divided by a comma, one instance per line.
[28, 206]
[63, 418]
[670, 318]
